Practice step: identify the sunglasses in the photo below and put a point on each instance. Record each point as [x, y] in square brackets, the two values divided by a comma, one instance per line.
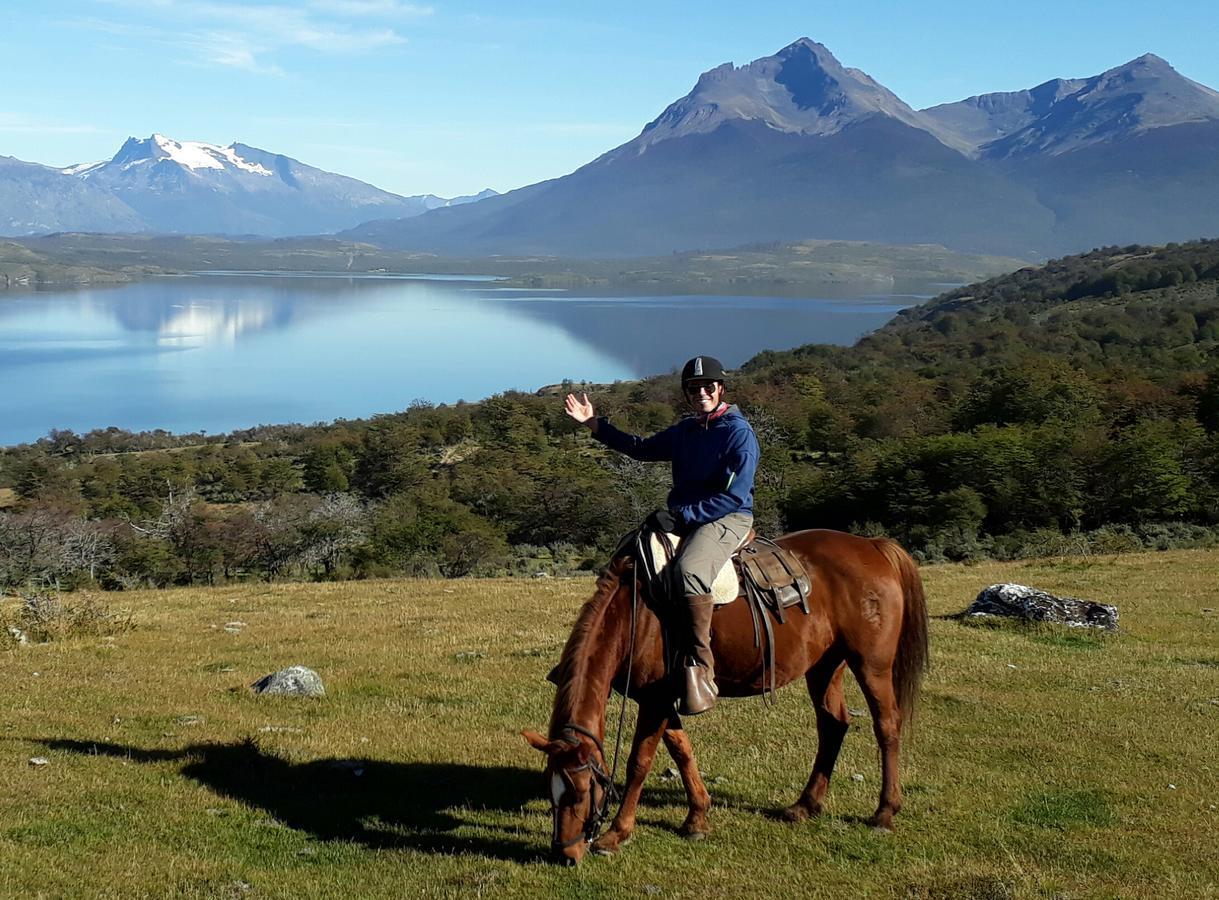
[695, 389]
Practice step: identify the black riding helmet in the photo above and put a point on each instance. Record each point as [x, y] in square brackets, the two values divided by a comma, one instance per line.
[702, 368]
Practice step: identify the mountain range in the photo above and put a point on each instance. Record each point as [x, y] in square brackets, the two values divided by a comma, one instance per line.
[797, 146]
[158, 184]
[790, 147]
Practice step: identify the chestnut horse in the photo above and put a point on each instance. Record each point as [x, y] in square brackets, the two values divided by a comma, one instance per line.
[866, 612]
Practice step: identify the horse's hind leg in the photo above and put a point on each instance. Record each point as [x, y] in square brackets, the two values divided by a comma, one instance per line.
[825, 688]
[678, 743]
[877, 684]
[653, 719]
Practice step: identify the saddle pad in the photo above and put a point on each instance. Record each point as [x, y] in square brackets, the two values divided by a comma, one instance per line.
[724, 589]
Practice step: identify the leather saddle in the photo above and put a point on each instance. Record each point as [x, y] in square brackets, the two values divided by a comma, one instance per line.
[761, 574]
[759, 568]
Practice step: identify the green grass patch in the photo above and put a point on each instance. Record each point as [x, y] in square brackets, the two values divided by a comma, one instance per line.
[953, 886]
[1205, 662]
[57, 831]
[1069, 638]
[219, 668]
[1049, 634]
[1063, 808]
[166, 777]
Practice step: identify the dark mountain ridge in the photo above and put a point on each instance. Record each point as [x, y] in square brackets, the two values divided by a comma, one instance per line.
[1065, 115]
[797, 146]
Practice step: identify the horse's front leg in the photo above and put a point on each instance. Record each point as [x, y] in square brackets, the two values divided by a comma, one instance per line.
[652, 722]
[695, 827]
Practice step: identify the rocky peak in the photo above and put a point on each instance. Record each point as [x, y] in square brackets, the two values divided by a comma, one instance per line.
[1136, 96]
[801, 89]
[134, 149]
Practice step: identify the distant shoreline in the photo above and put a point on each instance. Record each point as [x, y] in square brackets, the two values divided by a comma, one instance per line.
[842, 268]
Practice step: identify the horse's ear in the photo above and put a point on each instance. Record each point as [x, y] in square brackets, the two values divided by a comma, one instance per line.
[536, 741]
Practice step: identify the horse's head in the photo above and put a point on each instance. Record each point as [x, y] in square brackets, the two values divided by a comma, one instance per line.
[580, 790]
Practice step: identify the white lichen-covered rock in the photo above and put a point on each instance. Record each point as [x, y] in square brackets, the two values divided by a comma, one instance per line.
[1022, 602]
[294, 681]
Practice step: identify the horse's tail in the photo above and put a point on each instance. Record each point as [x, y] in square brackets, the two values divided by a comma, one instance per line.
[912, 653]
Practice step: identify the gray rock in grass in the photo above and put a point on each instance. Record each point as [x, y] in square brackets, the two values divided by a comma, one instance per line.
[1022, 602]
[294, 681]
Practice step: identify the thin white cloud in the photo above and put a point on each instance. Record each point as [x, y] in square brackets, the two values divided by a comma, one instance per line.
[498, 130]
[340, 41]
[231, 51]
[592, 129]
[109, 26]
[246, 36]
[317, 122]
[15, 123]
[378, 8]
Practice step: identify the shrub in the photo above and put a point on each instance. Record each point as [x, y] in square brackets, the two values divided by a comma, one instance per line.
[45, 616]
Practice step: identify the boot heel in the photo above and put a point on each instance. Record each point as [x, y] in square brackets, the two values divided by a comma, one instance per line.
[700, 693]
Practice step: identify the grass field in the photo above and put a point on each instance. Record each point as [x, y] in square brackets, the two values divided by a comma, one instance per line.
[1046, 763]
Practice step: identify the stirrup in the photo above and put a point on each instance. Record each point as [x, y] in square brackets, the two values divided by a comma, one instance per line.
[700, 691]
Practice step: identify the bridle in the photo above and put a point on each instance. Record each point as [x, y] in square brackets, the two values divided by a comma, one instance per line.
[602, 781]
[598, 807]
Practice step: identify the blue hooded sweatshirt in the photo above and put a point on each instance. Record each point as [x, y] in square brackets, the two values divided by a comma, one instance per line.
[714, 461]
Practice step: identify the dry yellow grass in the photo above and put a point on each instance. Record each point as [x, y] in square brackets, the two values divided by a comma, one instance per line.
[1045, 763]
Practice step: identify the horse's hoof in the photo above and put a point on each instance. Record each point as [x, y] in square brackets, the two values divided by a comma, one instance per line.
[608, 844]
[794, 814]
[880, 826]
[694, 830]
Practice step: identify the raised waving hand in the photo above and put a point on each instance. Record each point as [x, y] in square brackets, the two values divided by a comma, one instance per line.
[580, 409]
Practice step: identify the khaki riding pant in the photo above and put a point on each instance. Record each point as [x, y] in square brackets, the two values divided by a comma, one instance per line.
[705, 550]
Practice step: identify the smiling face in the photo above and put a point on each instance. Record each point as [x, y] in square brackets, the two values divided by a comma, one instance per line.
[703, 396]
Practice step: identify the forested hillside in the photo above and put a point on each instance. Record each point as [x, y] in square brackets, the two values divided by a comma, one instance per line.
[1073, 406]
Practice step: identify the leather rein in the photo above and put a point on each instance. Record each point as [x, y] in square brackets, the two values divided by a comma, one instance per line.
[598, 810]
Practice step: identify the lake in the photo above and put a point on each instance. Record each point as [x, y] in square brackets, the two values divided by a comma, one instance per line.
[224, 351]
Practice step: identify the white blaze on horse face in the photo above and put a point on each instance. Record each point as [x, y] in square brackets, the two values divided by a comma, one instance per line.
[556, 788]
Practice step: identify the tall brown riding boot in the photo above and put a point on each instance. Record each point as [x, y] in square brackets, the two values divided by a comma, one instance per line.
[700, 689]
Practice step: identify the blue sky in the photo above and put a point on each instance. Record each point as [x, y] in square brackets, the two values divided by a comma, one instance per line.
[450, 97]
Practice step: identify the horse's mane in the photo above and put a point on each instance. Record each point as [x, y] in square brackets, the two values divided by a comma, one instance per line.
[578, 651]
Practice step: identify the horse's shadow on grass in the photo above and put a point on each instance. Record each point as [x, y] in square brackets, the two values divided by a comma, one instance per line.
[381, 805]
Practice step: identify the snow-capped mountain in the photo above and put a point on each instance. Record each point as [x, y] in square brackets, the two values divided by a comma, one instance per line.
[191, 187]
[36, 199]
[193, 155]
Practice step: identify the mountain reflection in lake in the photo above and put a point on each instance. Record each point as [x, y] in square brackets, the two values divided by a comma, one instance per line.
[216, 353]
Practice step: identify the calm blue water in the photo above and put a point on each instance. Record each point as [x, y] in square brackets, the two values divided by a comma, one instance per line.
[220, 352]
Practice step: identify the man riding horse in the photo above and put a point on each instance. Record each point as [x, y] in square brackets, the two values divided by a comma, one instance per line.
[714, 454]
